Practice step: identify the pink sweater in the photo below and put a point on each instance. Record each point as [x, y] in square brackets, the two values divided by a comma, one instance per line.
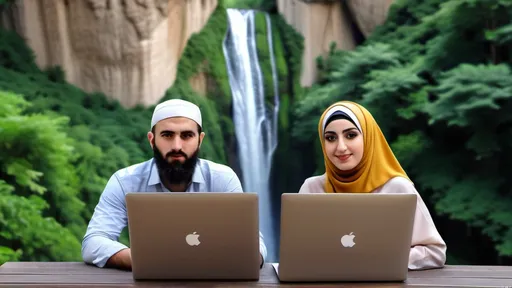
[428, 249]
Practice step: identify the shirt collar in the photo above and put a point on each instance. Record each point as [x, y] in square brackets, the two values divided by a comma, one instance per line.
[154, 178]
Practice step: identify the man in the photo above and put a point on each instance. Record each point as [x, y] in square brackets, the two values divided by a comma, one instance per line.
[176, 136]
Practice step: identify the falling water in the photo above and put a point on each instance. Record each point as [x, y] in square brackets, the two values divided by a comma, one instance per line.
[255, 127]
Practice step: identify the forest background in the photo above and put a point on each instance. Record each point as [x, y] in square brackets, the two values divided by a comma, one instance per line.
[436, 76]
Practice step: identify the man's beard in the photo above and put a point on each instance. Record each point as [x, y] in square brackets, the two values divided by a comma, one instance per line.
[175, 172]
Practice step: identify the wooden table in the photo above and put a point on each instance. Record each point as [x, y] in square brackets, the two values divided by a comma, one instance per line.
[76, 274]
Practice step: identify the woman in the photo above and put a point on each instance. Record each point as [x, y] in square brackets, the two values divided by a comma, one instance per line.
[358, 159]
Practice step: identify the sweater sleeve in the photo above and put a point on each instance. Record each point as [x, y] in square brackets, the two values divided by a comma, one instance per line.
[428, 249]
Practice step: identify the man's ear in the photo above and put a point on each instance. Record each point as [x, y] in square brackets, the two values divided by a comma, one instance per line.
[201, 137]
[151, 137]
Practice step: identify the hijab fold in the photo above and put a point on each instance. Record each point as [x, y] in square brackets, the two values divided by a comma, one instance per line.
[378, 163]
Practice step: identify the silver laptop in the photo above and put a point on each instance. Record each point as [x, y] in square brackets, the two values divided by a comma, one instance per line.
[194, 236]
[345, 237]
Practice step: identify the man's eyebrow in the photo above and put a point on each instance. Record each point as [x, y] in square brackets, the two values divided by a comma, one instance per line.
[188, 131]
[166, 132]
[173, 132]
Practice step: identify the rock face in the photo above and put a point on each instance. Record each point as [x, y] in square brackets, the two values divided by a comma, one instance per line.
[127, 49]
[369, 13]
[324, 21]
[320, 23]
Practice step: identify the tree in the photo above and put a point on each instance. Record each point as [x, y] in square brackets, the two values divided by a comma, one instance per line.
[36, 170]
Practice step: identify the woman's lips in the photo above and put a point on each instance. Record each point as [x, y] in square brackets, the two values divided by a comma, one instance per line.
[344, 157]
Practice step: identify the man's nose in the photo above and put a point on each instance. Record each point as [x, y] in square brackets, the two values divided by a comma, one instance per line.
[176, 144]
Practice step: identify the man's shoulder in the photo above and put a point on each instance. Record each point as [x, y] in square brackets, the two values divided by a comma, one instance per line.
[215, 168]
[135, 170]
[219, 177]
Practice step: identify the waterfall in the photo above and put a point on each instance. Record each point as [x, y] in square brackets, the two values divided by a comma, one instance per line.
[255, 127]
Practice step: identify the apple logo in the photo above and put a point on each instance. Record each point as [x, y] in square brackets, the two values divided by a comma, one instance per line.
[193, 239]
[348, 240]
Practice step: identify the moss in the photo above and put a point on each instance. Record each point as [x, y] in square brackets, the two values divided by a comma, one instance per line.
[282, 76]
[285, 83]
[294, 45]
[264, 58]
[281, 65]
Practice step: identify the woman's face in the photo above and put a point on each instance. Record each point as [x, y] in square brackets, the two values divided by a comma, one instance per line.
[343, 144]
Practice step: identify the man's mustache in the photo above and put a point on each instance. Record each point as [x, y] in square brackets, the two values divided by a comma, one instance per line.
[176, 153]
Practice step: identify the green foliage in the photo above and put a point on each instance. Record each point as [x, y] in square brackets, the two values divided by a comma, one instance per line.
[96, 124]
[475, 101]
[408, 98]
[436, 80]
[60, 157]
[66, 170]
[266, 5]
[349, 71]
[462, 38]
[468, 93]
[61, 144]
[14, 53]
[285, 82]
[280, 57]
[406, 28]
[501, 36]
[36, 159]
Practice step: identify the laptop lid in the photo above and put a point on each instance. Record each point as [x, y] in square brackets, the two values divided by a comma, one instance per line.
[194, 235]
[345, 237]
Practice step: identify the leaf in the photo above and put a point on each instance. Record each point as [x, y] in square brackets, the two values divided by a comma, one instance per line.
[501, 36]
[25, 176]
[469, 89]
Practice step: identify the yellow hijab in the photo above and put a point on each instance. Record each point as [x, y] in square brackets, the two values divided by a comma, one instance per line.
[377, 165]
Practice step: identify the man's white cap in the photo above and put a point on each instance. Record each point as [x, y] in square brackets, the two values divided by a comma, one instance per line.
[176, 108]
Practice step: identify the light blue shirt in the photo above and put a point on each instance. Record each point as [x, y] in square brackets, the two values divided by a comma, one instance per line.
[110, 217]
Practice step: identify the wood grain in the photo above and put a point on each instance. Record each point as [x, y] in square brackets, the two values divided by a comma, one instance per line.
[76, 274]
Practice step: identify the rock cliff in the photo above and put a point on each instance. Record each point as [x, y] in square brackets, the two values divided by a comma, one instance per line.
[127, 49]
[130, 49]
[369, 13]
[324, 21]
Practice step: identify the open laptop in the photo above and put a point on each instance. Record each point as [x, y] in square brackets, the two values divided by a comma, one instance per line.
[194, 236]
[345, 237]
